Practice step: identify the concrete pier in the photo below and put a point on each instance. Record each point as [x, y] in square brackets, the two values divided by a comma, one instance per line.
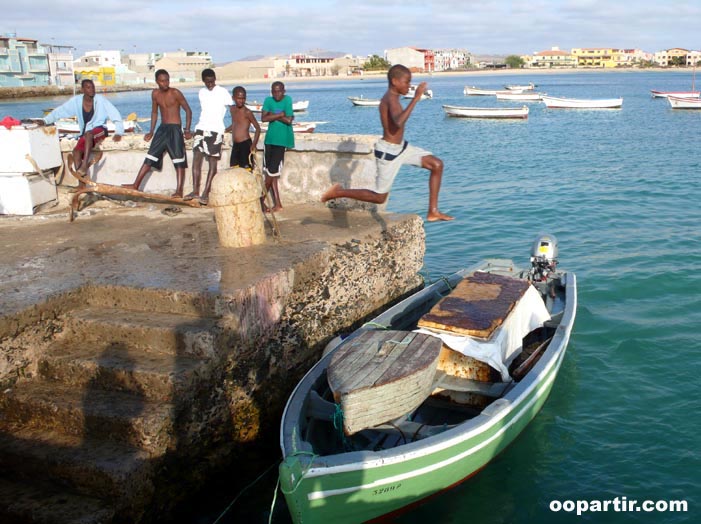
[137, 355]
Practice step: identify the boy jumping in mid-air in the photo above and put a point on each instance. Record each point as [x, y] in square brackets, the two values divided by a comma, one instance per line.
[169, 135]
[392, 151]
[242, 118]
[277, 110]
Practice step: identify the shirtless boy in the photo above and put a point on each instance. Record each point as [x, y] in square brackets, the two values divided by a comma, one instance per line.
[169, 135]
[242, 119]
[392, 151]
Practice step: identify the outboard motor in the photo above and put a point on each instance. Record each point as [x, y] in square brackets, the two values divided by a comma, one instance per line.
[543, 257]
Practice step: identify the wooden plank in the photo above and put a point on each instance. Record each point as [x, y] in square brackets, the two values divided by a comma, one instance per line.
[477, 306]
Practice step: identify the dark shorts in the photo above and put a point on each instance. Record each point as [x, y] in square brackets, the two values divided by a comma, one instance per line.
[168, 137]
[208, 142]
[274, 158]
[240, 154]
[99, 133]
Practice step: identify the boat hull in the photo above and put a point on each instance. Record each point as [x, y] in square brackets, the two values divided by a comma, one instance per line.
[361, 486]
[676, 94]
[476, 91]
[487, 112]
[364, 102]
[684, 103]
[578, 103]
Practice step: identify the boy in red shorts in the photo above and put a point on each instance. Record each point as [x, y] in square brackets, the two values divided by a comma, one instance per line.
[92, 112]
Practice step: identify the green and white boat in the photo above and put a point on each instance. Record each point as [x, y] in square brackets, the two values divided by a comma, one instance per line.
[334, 473]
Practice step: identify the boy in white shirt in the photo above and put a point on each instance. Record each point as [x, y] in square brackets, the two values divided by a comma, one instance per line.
[209, 133]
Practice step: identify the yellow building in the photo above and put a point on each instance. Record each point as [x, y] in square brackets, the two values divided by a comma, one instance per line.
[596, 56]
[101, 76]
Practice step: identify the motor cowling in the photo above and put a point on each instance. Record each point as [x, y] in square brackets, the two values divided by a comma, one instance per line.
[543, 257]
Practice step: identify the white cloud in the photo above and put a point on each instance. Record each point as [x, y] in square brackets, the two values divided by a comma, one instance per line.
[229, 30]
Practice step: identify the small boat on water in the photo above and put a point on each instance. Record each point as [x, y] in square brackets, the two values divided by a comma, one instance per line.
[515, 87]
[486, 112]
[70, 126]
[299, 106]
[364, 102]
[679, 94]
[676, 94]
[297, 127]
[677, 102]
[520, 97]
[412, 93]
[552, 102]
[468, 362]
[478, 91]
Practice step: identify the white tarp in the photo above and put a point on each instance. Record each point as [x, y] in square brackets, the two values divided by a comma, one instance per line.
[505, 343]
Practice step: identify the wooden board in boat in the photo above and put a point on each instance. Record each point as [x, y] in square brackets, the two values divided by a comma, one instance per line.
[477, 306]
[456, 364]
[382, 375]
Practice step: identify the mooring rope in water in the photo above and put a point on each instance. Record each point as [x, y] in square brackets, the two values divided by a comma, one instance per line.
[231, 504]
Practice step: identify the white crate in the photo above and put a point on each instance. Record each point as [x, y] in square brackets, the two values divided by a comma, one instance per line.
[20, 143]
[20, 193]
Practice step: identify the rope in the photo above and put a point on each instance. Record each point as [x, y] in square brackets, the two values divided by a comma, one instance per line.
[265, 194]
[299, 480]
[338, 425]
[226, 510]
[272, 506]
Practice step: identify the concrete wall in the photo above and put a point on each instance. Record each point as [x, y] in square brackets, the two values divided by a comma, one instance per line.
[318, 161]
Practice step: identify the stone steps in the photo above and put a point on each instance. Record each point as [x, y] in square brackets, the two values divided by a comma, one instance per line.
[162, 332]
[114, 415]
[103, 414]
[18, 505]
[150, 375]
[91, 467]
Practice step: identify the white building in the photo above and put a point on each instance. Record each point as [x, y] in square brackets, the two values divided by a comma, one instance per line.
[407, 56]
[451, 59]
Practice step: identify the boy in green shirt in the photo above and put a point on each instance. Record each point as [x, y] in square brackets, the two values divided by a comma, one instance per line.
[277, 111]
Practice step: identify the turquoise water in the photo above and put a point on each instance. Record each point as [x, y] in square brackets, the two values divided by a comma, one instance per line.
[621, 191]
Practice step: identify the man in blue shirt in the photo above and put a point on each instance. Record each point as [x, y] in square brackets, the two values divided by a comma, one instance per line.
[92, 112]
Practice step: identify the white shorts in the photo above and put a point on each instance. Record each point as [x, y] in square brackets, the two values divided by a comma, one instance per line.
[390, 157]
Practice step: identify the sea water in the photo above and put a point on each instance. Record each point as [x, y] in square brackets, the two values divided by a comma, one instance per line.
[621, 190]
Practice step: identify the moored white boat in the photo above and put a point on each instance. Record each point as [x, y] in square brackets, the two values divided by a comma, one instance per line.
[486, 112]
[684, 103]
[71, 126]
[581, 103]
[519, 97]
[300, 105]
[412, 93]
[478, 91]
[515, 87]
[364, 102]
[297, 127]
[331, 474]
[676, 94]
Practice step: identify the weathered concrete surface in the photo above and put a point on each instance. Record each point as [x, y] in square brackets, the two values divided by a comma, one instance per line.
[317, 161]
[137, 355]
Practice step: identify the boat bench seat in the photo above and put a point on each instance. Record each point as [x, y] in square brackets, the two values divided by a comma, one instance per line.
[466, 385]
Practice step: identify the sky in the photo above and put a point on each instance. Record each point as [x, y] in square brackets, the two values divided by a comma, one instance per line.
[231, 29]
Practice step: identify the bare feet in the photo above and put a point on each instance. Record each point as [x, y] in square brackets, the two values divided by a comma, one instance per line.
[277, 208]
[130, 186]
[331, 193]
[435, 215]
[178, 194]
[191, 196]
[204, 201]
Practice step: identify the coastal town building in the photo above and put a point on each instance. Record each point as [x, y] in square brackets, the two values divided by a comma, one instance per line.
[61, 71]
[292, 66]
[677, 56]
[411, 57]
[452, 59]
[23, 62]
[550, 59]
